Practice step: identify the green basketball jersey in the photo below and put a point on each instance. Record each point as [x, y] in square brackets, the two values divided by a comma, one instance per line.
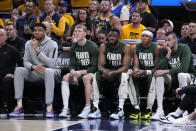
[84, 57]
[146, 56]
[180, 61]
[114, 56]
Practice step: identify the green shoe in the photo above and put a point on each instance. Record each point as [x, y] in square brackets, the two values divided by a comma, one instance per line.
[147, 115]
[135, 115]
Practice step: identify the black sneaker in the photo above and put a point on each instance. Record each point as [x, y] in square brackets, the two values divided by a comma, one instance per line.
[4, 111]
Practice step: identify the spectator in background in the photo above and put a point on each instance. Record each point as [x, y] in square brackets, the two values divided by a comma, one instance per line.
[149, 21]
[101, 37]
[16, 13]
[9, 58]
[106, 20]
[93, 8]
[55, 19]
[191, 40]
[185, 30]
[2, 23]
[62, 9]
[39, 64]
[14, 40]
[14, 16]
[160, 36]
[25, 24]
[132, 32]
[83, 18]
[121, 11]
[22, 9]
[167, 25]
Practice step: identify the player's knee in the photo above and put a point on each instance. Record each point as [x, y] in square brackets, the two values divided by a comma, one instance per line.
[181, 76]
[66, 77]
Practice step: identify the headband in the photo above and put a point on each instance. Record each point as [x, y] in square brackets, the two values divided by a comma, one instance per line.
[148, 33]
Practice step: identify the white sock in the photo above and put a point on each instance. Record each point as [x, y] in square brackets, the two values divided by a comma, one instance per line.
[160, 89]
[121, 103]
[95, 103]
[19, 102]
[87, 107]
[137, 107]
[178, 112]
[65, 93]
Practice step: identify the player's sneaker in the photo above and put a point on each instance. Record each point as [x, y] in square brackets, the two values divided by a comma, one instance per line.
[84, 114]
[135, 115]
[184, 120]
[147, 114]
[65, 113]
[169, 118]
[118, 114]
[18, 111]
[158, 115]
[50, 114]
[95, 113]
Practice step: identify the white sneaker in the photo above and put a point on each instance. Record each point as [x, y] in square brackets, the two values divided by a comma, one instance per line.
[184, 120]
[65, 113]
[95, 113]
[185, 113]
[118, 114]
[158, 115]
[169, 118]
[84, 114]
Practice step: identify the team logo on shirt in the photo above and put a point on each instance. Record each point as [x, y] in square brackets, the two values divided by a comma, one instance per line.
[134, 35]
[174, 62]
[115, 59]
[83, 58]
[146, 59]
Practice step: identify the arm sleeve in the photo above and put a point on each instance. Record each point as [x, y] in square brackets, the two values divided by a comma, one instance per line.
[50, 59]
[185, 61]
[124, 15]
[93, 60]
[190, 89]
[27, 57]
[61, 27]
[72, 63]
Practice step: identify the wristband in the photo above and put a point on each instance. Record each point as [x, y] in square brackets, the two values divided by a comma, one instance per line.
[148, 72]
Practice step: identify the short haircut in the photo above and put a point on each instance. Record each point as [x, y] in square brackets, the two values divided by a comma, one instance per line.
[40, 25]
[192, 21]
[108, 1]
[52, 1]
[139, 12]
[161, 29]
[81, 26]
[145, 1]
[185, 24]
[101, 31]
[10, 23]
[19, 11]
[171, 33]
[30, 1]
[115, 30]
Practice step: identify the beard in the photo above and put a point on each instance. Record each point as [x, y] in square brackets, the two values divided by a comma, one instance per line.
[113, 44]
[39, 38]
